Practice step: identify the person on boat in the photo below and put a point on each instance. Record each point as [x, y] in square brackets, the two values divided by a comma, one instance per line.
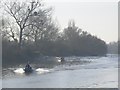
[28, 66]
[62, 59]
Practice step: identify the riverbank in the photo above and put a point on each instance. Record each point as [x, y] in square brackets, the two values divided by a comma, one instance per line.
[44, 62]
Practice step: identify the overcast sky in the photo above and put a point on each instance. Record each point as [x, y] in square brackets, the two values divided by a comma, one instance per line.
[98, 17]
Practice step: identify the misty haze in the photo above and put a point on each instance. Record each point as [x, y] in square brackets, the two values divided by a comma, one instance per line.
[59, 44]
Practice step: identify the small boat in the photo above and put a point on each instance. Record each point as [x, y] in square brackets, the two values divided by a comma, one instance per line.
[61, 59]
[28, 69]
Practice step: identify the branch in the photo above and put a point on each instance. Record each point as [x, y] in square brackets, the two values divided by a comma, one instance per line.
[13, 15]
[32, 25]
[29, 13]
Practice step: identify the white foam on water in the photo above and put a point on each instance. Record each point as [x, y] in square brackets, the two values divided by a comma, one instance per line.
[59, 60]
[19, 70]
[41, 70]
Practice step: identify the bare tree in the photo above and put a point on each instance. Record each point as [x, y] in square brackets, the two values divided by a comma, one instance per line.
[43, 27]
[21, 13]
[9, 30]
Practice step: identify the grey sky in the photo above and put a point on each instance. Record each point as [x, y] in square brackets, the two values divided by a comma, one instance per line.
[98, 18]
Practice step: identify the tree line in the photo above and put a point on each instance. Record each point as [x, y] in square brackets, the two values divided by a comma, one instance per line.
[28, 31]
[113, 47]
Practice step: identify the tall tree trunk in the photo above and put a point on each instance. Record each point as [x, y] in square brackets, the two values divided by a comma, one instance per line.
[20, 38]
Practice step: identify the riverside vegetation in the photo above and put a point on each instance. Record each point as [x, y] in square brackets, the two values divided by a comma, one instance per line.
[29, 31]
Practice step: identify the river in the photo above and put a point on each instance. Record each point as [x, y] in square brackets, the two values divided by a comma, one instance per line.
[95, 72]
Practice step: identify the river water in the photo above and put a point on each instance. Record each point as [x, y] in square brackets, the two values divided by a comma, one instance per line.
[95, 72]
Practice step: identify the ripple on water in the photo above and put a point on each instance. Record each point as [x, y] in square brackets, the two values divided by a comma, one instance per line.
[42, 70]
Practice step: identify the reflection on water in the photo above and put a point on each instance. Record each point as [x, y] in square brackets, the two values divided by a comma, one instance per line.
[76, 72]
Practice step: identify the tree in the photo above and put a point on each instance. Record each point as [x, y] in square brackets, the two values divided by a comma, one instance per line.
[21, 13]
[78, 42]
[8, 29]
[43, 27]
[113, 47]
[71, 36]
[118, 47]
[71, 32]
